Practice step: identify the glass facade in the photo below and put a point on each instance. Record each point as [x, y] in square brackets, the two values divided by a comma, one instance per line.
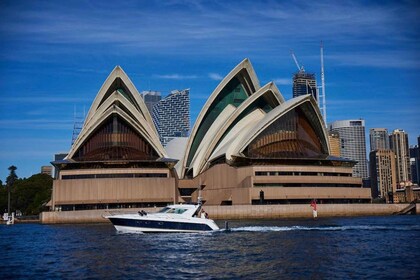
[171, 116]
[304, 83]
[353, 144]
[294, 135]
[233, 93]
[115, 140]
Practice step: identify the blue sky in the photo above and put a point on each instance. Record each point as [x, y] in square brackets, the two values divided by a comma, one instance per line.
[55, 55]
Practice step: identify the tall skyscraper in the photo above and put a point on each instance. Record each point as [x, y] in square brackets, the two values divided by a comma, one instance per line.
[304, 83]
[151, 98]
[398, 142]
[171, 115]
[353, 143]
[382, 174]
[378, 139]
[415, 162]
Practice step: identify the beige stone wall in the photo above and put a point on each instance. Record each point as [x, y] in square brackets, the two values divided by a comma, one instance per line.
[307, 179]
[300, 211]
[226, 183]
[223, 184]
[116, 190]
[311, 193]
[114, 171]
[239, 212]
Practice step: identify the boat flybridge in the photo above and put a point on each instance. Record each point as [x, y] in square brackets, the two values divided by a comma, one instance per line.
[172, 218]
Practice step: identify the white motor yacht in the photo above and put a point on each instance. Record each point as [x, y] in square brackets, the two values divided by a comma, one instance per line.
[172, 218]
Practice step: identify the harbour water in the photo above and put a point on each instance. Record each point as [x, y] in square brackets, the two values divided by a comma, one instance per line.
[386, 247]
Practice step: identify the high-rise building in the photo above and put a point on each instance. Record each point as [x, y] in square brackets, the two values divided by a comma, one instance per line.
[151, 98]
[378, 139]
[382, 174]
[334, 139]
[304, 83]
[415, 163]
[171, 115]
[353, 143]
[398, 142]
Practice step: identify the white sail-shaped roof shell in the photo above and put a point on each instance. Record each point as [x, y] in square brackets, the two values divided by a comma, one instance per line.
[221, 125]
[247, 73]
[133, 111]
[277, 113]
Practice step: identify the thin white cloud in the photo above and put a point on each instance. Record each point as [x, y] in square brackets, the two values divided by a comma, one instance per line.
[215, 76]
[176, 77]
[35, 124]
[385, 59]
[44, 99]
[212, 27]
[283, 81]
[199, 96]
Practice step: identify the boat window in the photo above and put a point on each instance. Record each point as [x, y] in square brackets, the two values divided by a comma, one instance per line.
[180, 211]
[170, 210]
[177, 210]
[164, 210]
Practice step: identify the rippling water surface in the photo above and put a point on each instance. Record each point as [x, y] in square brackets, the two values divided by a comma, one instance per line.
[338, 248]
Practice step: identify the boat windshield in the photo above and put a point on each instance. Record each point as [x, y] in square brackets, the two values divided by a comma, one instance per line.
[164, 210]
[170, 210]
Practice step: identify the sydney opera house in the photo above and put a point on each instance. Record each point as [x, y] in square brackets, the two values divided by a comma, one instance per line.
[248, 146]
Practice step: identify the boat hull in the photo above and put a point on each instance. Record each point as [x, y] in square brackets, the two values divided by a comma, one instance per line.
[148, 225]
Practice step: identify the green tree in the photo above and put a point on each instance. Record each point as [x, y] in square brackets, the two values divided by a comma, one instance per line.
[3, 200]
[10, 181]
[29, 195]
[12, 175]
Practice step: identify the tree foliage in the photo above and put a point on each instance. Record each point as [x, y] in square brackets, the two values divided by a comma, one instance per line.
[12, 176]
[28, 195]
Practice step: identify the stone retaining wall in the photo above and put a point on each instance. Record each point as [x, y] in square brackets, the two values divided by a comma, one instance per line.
[238, 212]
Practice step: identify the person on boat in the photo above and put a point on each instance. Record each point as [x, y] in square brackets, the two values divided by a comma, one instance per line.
[204, 215]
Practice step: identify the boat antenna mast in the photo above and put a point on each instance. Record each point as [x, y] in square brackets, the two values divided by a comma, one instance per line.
[200, 198]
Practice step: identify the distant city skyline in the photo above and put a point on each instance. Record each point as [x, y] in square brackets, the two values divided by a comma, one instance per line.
[55, 56]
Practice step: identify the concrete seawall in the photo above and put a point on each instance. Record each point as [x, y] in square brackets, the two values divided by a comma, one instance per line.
[238, 212]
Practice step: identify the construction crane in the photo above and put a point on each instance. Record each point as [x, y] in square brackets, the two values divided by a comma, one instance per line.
[324, 105]
[300, 68]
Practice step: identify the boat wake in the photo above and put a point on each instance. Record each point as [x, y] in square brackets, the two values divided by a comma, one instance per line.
[322, 228]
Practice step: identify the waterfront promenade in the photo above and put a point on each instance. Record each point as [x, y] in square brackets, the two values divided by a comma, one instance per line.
[238, 212]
